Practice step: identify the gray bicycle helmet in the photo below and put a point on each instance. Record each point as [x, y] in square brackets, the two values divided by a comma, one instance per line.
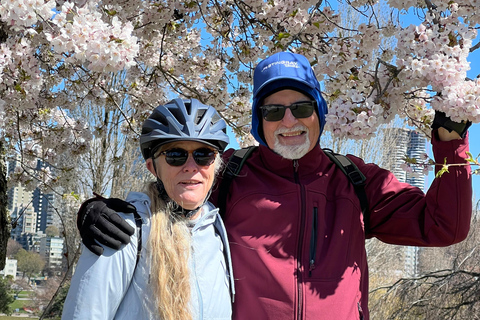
[183, 120]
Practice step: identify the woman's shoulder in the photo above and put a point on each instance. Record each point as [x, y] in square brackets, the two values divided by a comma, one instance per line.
[141, 201]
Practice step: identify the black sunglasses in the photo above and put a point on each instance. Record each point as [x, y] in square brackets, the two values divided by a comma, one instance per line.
[276, 112]
[177, 156]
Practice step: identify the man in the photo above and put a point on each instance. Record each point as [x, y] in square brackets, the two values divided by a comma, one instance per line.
[293, 219]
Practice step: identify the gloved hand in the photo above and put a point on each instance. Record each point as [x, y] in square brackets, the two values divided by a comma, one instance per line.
[97, 219]
[441, 120]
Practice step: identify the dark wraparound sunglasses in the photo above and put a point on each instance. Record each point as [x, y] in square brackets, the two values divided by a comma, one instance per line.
[276, 112]
[177, 157]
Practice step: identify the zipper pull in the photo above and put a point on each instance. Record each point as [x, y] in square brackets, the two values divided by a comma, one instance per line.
[295, 165]
[312, 267]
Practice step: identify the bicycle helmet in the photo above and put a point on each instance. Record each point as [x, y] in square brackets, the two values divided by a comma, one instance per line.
[183, 120]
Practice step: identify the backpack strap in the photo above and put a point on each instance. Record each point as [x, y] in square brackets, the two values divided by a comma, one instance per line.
[221, 232]
[234, 165]
[357, 178]
[138, 222]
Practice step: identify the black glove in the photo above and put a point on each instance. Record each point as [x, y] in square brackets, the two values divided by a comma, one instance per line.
[98, 220]
[441, 120]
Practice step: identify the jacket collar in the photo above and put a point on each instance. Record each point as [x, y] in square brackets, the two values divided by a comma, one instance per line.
[286, 168]
[209, 215]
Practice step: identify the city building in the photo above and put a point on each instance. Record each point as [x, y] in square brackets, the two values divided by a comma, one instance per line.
[51, 248]
[31, 213]
[30, 241]
[401, 143]
[10, 269]
[43, 205]
[405, 142]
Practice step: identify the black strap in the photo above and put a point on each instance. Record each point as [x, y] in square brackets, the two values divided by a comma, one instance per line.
[357, 178]
[234, 165]
[138, 222]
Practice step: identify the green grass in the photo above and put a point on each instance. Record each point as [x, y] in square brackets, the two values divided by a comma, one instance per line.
[15, 318]
[18, 304]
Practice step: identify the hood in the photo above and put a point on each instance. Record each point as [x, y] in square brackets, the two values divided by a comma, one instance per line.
[284, 70]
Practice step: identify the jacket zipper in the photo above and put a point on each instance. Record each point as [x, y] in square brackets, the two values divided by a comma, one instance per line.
[300, 243]
[313, 241]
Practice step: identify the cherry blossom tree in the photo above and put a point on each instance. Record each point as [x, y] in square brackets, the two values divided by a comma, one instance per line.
[129, 56]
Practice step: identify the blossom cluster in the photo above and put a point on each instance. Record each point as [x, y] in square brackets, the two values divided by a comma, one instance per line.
[25, 13]
[435, 55]
[429, 73]
[21, 79]
[107, 47]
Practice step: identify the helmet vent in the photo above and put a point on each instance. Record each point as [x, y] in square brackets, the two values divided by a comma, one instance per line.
[215, 118]
[199, 116]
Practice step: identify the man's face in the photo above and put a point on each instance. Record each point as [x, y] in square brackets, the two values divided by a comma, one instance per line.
[290, 137]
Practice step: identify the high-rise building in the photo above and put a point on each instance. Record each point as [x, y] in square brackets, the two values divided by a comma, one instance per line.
[43, 205]
[51, 248]
[33, 211]
[401, 143]
[404, 142]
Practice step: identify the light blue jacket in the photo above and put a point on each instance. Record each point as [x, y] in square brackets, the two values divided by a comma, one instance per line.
[112, 287]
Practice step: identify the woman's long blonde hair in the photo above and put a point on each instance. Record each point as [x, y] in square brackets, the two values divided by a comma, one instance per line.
[170, 243]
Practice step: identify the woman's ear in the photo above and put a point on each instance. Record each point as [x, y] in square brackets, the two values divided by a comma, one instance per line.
[150, 166]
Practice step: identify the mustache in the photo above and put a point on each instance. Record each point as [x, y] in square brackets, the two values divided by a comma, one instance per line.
[298, 127]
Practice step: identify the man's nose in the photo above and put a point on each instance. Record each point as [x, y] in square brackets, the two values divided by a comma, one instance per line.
[289, 119]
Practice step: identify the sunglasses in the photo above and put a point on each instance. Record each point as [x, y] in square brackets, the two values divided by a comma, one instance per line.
[276, 112]
[177, 157]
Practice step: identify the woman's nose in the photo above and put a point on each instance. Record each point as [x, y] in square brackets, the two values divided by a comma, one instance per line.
[190, 164]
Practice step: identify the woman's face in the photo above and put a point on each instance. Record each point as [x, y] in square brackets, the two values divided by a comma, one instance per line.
[189, 183]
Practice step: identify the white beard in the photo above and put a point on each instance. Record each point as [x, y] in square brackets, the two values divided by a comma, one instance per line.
[295, 151]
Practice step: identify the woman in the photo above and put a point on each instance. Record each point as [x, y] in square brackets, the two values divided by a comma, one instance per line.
[184, 268]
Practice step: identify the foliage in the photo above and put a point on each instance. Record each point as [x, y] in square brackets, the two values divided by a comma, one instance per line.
[13, 247]
[413, 165]
[5, 296]
[30, 263]
[52, 231]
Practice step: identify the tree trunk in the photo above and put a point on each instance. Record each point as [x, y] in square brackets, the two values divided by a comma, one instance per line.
[4, 218]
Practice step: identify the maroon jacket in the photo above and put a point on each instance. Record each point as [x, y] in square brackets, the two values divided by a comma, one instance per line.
[296, 230]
